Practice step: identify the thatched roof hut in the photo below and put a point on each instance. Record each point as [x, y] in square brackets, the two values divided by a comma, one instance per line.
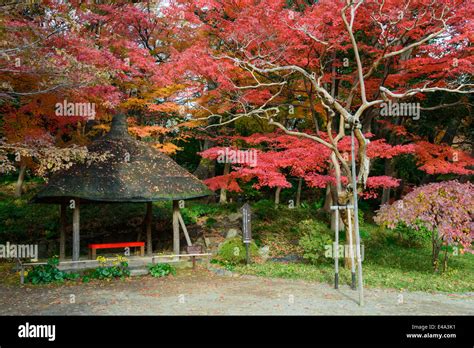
[133, 172]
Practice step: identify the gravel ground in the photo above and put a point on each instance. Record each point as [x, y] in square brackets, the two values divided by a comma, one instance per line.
[205, 293]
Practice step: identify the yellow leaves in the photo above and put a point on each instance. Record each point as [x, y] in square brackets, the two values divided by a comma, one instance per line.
[134, 103]
[102, 127]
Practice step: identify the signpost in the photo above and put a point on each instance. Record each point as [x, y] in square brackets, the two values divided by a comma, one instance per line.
[194, 249]
[246, 229]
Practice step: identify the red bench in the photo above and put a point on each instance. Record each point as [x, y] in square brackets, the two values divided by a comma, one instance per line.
[94, 247]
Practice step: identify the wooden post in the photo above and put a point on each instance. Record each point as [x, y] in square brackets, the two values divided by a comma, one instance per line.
[148, 218]
[62, 231]
[75, 232]
[175, 228]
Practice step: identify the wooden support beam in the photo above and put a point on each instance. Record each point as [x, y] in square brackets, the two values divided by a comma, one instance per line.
[75, 232]
[62, 231]
[148, 219]
[175, 228]
[185, 230]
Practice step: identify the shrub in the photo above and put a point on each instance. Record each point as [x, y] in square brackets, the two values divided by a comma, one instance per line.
[411, 237]
[119, 269]
[233, 251]
[192, 212]
[265, 210]
[308, 226]
[49, 273]
[316, 238]
[444, 209]
[161, 270]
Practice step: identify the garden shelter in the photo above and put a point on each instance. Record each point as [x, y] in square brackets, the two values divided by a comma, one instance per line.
[132, 172]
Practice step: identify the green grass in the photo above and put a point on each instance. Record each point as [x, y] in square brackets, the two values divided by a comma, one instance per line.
[388, 267]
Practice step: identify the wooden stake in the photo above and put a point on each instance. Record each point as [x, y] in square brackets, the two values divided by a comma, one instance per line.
[62, 231]
[185, 230]
[148, 219]
[75, 232]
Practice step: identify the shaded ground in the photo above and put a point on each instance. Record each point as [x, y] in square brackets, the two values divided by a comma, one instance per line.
[204, 293]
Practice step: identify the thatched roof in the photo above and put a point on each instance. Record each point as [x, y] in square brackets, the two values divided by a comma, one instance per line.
[135, 173]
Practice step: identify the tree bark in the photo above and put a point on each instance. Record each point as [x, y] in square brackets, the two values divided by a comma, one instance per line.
[206, 167]
[223, 193]
[21, 180]
[298, 192]
[389, 171]
[277, 196]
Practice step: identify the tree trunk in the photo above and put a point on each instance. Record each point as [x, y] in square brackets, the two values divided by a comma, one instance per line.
[277, 196]
[328, 200]
[349, 237]
[435, 255]
[445, 261]
[21, 180]
[298, 192]
[389, 171]
[223, 195]
[206, 168]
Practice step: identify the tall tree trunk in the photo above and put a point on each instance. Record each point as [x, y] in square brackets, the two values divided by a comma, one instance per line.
[21, 180]
[223, 195]
[298, 192]
[206, 167]
[389, 171]
[327, 199]
[277, 196]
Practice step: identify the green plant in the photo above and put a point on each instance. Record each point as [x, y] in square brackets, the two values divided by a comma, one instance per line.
[233, 251]
[265, 210]
[410, 237]
[210, 222]
[161, 270]
[224, 263]
[49, 273]
[119, 269]
[315, 241]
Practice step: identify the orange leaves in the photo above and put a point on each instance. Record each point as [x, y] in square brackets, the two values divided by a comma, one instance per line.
[167, 148]
[147, 131]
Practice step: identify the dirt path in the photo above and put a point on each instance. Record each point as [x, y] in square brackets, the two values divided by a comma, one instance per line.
[203, 292]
